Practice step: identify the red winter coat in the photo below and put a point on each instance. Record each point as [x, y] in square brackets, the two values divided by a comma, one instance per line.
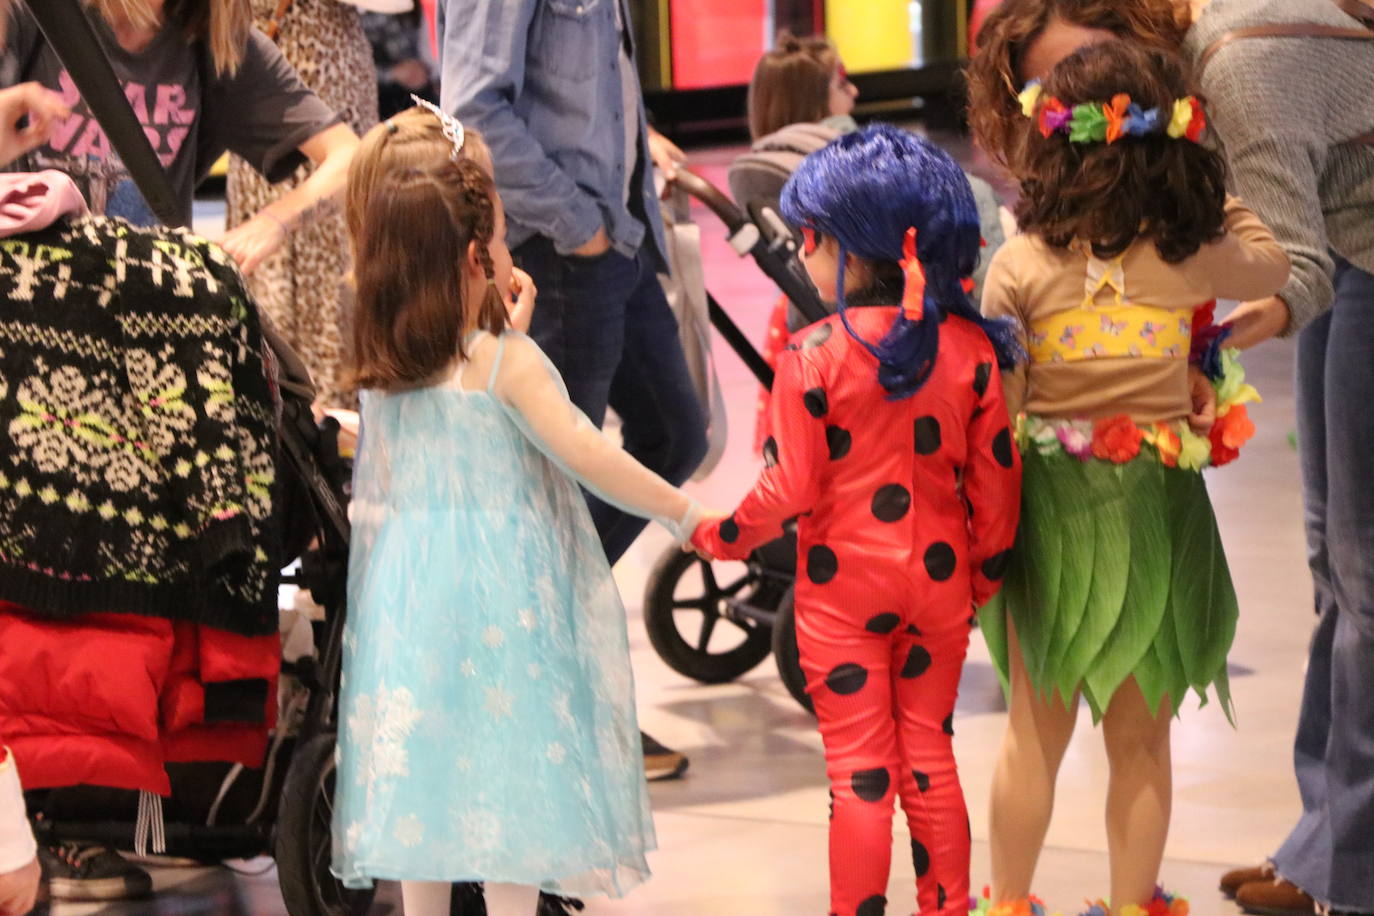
[108, 699]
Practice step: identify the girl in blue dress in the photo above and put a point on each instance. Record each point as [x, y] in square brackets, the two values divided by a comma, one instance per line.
[487, 724]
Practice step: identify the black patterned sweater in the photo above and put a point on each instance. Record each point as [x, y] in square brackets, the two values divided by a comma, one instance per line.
[138, 461]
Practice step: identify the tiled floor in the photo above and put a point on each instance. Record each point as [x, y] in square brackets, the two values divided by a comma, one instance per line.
[745, 832]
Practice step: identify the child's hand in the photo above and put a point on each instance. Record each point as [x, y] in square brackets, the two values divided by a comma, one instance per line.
[701, 538]
[522, 309]
[1204, 398]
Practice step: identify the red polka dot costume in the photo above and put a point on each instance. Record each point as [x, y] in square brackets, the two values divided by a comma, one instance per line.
[907, 512]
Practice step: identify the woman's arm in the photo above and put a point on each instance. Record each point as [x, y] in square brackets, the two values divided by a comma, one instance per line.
[331, 150]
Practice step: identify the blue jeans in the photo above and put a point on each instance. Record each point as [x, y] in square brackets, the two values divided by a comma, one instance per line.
[1330, 853]
[606, 324]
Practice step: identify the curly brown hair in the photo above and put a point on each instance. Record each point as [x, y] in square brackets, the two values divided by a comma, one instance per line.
[994, 73]
[1109, 194]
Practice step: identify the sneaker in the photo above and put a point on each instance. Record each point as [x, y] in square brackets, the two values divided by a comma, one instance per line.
[82, 871]
[552, 905]
[660, 762]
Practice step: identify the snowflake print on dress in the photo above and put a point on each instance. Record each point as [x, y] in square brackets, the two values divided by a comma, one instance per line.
[409, 831]
[380, 725]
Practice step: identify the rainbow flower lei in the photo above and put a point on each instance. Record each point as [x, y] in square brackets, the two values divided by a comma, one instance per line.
[1095, 122]
[1119, 439]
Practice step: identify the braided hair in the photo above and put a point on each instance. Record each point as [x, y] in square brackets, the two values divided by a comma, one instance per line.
[414, 212]
[867, 190]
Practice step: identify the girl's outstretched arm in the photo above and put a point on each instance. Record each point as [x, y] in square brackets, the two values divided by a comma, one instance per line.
[525, 382]
[792, 457]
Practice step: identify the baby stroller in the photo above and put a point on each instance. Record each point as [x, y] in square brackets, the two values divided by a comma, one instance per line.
[219, 811]
[686, 598]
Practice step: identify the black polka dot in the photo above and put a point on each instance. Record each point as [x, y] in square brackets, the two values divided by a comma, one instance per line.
[882, 624]
[920, 858]
[981, 376]
[913, 630]
[948, 725]
[821, 564]
[815, 402]
[891, 502]
[918, 662]
[832, 804]
[839, 441]
[1001, 448]
[817, 337]
[995, 566]
[927, 436]
[922, 780]
[770, 452]
[940, 896]
[873, 906]
[940, 561]
[871, 785]
[847, 679]
[729, 530]
[977, 412]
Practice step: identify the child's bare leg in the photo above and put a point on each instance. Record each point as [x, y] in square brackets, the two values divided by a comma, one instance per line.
[425, 898]
[1038, 733]
[1139, 792]
[511, 899]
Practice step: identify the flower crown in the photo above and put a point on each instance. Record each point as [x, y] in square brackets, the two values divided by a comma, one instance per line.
[1094, 122]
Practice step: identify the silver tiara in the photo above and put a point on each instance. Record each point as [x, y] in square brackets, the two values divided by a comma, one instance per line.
[452, 127]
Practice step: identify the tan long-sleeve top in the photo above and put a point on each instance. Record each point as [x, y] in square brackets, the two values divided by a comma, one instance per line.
[1112, 337]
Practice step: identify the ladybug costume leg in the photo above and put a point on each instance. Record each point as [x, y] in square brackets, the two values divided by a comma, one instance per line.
[884, 696]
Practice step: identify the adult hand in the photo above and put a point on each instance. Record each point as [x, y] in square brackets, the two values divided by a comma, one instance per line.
[19, 889]
[44, 109]
[1256, 321]
[596, 246]
[412, 74]
[255, 241]
[522, 309]
[1204, 399]
[666, 154]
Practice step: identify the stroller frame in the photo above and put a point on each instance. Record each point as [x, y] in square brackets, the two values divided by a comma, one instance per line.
[759, 602]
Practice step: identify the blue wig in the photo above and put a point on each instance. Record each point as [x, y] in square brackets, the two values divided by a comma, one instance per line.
[866, 190]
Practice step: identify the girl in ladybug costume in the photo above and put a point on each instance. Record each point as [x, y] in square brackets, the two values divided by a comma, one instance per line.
[891, 444]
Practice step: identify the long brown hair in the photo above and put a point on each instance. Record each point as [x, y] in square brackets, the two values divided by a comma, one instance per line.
[1108, 194]
[412, 212]
[222, 24]
[791, 84]
[993, 73]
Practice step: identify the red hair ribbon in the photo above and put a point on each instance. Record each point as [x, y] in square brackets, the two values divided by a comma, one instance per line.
[913, 296]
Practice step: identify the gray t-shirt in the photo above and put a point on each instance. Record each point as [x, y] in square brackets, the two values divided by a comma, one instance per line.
[190, 115]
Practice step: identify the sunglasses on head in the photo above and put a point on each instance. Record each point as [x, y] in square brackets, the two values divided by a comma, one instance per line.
[811, 240]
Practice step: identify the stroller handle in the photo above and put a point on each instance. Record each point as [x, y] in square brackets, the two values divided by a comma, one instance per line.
[715, 199]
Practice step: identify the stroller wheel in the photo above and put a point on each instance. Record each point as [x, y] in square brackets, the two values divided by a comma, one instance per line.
[303, 843]
[785, 652]
[691, 623]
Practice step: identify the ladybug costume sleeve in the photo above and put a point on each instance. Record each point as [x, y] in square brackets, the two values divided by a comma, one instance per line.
[992, 483]
[792, 456]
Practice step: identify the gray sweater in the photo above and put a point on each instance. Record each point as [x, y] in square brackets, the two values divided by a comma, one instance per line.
[1282, 109]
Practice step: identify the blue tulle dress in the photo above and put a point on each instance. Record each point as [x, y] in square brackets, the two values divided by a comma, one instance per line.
[487, 723]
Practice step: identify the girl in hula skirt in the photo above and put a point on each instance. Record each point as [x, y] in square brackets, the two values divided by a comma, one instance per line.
[1118, 592]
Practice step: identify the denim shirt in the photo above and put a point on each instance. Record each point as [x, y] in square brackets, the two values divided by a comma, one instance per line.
[541, 80]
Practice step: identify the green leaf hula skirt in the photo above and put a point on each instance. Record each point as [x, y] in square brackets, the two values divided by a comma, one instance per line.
[1118, 571]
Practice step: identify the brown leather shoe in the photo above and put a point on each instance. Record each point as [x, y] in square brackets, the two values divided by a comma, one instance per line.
[1237, 878]
[1275, 897]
